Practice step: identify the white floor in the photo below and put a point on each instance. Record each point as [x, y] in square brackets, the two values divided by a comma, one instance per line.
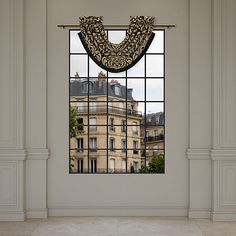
[109, 226]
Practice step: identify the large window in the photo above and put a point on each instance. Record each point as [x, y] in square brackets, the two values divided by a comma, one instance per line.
[117, 121]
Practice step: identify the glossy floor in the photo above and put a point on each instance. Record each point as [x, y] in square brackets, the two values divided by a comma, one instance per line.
[114, 226]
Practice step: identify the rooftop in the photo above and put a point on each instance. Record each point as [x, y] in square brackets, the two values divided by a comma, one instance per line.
[99, 87]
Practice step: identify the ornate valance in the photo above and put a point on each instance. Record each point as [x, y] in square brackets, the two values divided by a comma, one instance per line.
[116, 57]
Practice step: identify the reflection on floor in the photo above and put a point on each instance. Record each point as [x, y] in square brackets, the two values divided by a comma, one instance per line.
[125, 226]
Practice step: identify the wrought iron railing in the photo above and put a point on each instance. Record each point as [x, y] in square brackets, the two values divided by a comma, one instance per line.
[111, 109]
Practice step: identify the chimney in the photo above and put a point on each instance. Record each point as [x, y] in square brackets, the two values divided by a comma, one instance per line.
[77, 76]
[102, 76]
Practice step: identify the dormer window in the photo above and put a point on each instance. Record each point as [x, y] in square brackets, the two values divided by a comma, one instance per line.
[117, 89]
[85, 86]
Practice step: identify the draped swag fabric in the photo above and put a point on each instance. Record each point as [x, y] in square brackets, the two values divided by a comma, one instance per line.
[116, 57]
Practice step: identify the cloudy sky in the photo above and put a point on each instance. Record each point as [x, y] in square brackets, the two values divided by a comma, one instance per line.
[154, 68]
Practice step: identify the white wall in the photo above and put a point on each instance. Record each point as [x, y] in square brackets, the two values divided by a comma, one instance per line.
[119, 194]
[200, 113]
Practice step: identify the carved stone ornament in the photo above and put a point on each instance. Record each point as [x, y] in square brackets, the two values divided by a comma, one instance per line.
[116, 57]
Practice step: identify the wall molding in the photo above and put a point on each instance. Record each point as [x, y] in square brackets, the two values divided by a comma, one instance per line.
[12, 154]
[223, 216]
[199, 213]
[37, 213]
[223, 154]
[198, 154]
[12, 215]
[37, 154]
[117, 211]
[16, 76]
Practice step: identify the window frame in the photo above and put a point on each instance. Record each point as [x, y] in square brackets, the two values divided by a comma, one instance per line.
[89, 88]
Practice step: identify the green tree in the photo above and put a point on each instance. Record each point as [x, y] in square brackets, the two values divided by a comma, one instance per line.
[143, 169]
[75, 126]
[157, 164]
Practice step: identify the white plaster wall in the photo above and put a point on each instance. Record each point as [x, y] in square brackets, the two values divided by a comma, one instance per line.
[119, 194]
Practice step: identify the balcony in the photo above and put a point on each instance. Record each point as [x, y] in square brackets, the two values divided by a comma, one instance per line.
[103, 109]
[93, 149]
[80, 150]
[154, 138]
[150, 153]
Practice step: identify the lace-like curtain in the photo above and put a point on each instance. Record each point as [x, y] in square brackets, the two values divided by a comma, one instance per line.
[116, 57]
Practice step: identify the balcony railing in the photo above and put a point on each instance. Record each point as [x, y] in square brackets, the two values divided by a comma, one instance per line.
[80, 150]
[150, 153]
[154, 138]
[93, 149]
[111, 109]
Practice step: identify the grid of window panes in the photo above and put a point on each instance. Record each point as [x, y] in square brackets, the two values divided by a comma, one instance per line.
[117, 121]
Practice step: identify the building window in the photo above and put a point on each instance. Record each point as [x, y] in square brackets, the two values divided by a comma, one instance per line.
[93, 144]
[123, 126]
[80, 106]
[112, 145]
[92, 124]
[136, 166]
[87, 87]
[80, 165]
[135, 147]
[117, 116]
[80, 144]
[117, 90]
[93, 166]
[123, 145]
[80, 122]
[92, 105]
[112, 127]
[112, 165]
[123, 166]
[135, 128]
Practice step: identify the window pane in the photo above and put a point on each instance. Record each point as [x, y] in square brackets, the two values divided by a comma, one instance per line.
[94, 70]
[98, 109]
[155, 118]
[120, 75]
[75, 43]
[79, 64]
[116, 36]
[157, 45]
[155, 89]
[137, 70]
[154, 66]
[136, 88]
[153, 157]
[154, 107]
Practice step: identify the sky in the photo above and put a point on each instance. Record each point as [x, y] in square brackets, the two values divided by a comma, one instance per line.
[154, 68]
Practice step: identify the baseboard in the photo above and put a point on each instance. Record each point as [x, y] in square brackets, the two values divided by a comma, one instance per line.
[37, 213]
[223, 216]
[12, 216]
[198, 213]
[117, 211]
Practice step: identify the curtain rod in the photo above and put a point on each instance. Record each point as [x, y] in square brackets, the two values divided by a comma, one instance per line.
[116, 26]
